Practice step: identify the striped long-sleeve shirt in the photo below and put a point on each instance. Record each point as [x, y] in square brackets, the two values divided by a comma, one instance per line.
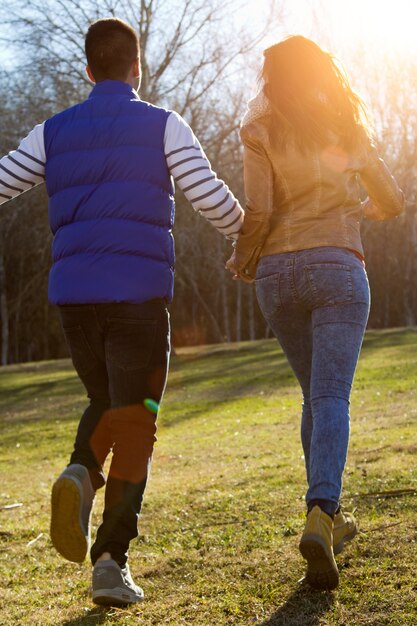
[24, 168]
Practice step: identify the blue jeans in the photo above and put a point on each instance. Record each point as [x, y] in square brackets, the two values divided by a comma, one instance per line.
[121, 354]
[317, 304]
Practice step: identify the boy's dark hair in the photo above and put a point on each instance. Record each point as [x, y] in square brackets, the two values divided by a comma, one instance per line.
[111, 46]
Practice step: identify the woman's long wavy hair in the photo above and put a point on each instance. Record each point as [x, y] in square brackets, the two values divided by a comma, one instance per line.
[310, 96]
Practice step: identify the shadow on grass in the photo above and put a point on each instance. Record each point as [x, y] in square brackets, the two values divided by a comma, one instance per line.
[221, 375]
[44, 389]
[389, 338]
[304, 607]
[97, 615]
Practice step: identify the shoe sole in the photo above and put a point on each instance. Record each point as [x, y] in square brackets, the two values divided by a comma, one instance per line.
[116, 596]
[339, 547]
[322, 570]
[67, 532]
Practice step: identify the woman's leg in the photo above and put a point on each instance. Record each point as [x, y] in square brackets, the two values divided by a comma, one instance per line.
[337, 339]
[290, 321]
[317, 303]
[336, 286]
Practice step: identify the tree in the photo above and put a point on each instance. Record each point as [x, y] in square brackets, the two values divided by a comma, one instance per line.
[386, 80]
[391, 247]
[193, 54]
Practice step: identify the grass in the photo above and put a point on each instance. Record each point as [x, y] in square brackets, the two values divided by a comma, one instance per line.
[224, 508]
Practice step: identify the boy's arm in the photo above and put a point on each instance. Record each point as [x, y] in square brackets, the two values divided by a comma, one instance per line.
[192, 173]
[23, 168]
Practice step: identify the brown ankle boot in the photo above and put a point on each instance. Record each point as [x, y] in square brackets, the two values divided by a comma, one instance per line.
[344, 529]
[316, 546]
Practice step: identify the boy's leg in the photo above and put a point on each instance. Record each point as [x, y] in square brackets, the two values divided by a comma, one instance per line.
[137, 355]
[85, 338]
[93, 440]
[73, 492]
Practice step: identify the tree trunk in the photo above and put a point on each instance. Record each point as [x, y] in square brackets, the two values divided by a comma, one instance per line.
[251, 313]
[225, 307]
[239, 311]
[45, 338]
[4, 314]
[18, 308]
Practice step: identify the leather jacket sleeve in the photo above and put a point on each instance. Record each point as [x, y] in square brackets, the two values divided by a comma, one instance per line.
[386, 200]
[258, 178]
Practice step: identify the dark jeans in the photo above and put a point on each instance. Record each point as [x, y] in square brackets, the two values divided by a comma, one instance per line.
[317, 303]
[121, 354]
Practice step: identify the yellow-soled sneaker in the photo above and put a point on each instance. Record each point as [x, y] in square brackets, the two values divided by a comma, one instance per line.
[316, 546]
[345, 528]
[71, 504]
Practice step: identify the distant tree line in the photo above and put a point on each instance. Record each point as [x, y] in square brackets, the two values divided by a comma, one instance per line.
[194, 60]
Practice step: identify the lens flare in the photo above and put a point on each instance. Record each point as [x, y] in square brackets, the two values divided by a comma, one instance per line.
[151, 405]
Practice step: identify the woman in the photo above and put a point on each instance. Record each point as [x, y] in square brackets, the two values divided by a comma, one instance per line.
[306, 146]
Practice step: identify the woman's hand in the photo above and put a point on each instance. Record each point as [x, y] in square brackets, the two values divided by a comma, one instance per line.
[231, 266]
[373, 212]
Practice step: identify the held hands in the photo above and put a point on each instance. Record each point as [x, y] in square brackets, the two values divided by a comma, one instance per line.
[371, 211]
[231, 266]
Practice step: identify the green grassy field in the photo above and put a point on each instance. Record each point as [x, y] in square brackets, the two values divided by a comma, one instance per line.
[224, 508]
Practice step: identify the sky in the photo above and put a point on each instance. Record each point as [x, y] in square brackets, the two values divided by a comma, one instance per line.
[380, 25]
[365, 35]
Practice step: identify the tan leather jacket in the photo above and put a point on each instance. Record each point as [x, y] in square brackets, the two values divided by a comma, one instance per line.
[296, 201]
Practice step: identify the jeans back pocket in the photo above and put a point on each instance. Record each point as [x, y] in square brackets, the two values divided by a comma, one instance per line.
[130, 342]
[83, 358]
[330, 283]
[269, 295]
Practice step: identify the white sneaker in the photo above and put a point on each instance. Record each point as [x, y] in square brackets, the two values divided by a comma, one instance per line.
[114, 585]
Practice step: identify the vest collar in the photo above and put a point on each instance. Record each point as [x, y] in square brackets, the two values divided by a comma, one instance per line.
[113, 88]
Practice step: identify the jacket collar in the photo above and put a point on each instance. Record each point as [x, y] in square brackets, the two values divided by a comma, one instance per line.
[257, 107]
[113, 88]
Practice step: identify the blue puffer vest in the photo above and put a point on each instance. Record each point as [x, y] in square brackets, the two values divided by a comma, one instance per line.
[111, 205]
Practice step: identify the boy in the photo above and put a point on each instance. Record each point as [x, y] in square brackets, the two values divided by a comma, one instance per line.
[107, 164]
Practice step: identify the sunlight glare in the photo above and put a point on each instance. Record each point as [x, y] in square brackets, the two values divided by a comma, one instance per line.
[382, 26]
[386, 25]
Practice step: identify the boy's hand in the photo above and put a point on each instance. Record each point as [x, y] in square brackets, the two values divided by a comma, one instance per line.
[372, 212]
[231, 266]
